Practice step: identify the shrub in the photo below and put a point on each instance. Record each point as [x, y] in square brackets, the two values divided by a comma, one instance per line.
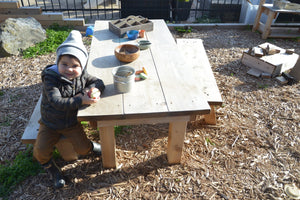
[55, 36]
[12, 174]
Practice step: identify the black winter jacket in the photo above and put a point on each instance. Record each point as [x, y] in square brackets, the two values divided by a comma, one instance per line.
[59, 107]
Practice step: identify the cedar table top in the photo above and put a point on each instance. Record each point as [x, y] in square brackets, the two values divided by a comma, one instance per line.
[172, 89]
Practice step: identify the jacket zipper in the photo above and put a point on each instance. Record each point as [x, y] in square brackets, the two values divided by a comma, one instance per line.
[73, 88]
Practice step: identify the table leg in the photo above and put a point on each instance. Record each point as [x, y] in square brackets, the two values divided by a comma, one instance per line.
[268, 24]
[175, 141]
[108, 144]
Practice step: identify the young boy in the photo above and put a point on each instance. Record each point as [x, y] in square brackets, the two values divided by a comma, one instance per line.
[65, 87]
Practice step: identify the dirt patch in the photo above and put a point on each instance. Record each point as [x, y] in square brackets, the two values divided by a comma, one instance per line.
[251, 153]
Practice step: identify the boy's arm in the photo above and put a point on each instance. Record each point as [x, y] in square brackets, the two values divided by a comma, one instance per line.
[55, 98]
[92, 81]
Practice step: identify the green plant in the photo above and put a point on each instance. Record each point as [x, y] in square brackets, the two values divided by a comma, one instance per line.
[5, 122]
[56, 154]
[13, 173]
[207, 20]
[117, 129]
[262, 86]
[185, 29]
[85, 123]
[270, 40]
[14, 98]
[249, 27]
[55, 36]
[209, 141]
[1, 93]
[87, 42]
[120, 130]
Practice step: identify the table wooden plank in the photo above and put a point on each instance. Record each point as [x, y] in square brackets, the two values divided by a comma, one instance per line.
[147, 95]
[182, 91]
[101, 57]
[154, 120]
[136, 102]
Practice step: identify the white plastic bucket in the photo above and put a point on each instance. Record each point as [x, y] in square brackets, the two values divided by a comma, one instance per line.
[123, 78]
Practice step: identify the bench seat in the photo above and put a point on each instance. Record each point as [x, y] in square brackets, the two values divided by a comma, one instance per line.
[194, 53]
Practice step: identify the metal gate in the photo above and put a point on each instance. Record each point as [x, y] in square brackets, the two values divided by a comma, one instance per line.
[191, 11]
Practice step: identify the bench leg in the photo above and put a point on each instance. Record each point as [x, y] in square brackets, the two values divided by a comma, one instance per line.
[211, 117]
[175, 141]
[66, 150]
[258, 16]
[108, 144]
[268, 24]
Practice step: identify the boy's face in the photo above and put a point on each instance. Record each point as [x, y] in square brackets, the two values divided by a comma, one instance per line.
[69, 67]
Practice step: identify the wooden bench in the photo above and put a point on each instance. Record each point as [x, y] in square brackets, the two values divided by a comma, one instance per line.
[266, 28]
[194, 52]
[64, 146]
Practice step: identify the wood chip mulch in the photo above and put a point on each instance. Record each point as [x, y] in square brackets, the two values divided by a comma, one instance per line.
[252, 152]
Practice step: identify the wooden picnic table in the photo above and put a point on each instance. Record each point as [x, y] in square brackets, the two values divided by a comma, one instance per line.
[171, 94]
[274, 32]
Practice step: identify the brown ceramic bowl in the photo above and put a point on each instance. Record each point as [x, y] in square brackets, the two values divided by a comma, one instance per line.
[127, 52]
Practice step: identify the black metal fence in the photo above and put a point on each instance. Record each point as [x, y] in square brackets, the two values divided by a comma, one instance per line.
[209, 11]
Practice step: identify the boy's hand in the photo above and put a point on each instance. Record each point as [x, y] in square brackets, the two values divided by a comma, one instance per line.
[87, 100]
[94, 93]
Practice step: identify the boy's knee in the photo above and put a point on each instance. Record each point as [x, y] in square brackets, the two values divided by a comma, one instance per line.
[42, 154]
[83, 150]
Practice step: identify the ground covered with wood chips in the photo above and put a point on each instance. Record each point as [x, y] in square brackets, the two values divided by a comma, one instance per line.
[252, 152]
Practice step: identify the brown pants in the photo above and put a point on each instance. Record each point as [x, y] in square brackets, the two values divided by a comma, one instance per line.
[47, 138]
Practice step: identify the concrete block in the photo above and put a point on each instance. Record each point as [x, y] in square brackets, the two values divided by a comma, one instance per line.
[121, 26]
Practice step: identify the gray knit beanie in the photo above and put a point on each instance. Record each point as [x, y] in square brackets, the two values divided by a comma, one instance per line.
[73, 45]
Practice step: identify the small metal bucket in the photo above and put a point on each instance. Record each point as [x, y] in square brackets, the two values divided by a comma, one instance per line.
[123, 78]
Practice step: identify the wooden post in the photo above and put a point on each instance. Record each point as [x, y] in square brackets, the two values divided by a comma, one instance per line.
[258, 15]
[108, 144]
[175, 141]
[211, 117]
[267, 29]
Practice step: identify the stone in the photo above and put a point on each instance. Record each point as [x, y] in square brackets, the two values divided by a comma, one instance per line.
[17, 34]
[266, 75]
[281, 80]
[295, 72]
[254, 72]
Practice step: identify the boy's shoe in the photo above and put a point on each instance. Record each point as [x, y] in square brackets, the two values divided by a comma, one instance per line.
[55, 174]
[97, 148]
